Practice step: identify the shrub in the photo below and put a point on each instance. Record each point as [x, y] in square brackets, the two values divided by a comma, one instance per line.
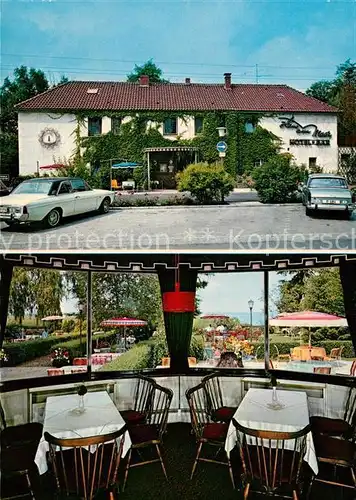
[136, 358]
[68, 324]
[276, 181]
[207, 183]
[78, 349]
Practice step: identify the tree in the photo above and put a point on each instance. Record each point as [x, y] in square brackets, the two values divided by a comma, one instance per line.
[348, 281]
[148, 68]
[27, 83]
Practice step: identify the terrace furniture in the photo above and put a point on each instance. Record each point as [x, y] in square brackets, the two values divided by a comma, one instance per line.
[326, 370]
[271, 461]
[306, 353]
[345, 427]
[89, 466]
[18, 448]
[353, 369]
[80, 361]
[215, 407]
[63, 422]
[256, 413]
[142, 403]
[166, 361]
[79, 369]
[284, 357]
[53, 372]
[206, 432]
[335, 354]
[151, 435]
[337, 453]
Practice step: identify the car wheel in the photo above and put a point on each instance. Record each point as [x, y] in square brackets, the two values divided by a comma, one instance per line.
[105, 206]
[53, 218]
[347, 215]
[11, 223]
[308, 212]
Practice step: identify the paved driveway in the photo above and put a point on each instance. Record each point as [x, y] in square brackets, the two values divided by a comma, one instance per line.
[233, 227]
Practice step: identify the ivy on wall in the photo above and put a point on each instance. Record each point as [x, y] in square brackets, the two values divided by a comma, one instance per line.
[244, 149]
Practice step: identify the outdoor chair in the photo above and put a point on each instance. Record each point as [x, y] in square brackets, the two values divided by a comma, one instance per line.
[353, 369]
[271, 461]
[89, 466]
[151, 434]
[217, 410]
[206, 432]
[344, 427]
[52, 372]
[80, 361]
[335, 455]
[142, 404]
[335, 354]
[18, 449]
[325, 370]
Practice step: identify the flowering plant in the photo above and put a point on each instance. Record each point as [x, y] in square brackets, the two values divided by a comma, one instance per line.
[3, 357]
[239, 347]
[60, 357]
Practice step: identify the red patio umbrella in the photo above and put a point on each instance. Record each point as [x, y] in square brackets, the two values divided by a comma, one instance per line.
[214, 316]
[52, 167]
[309, 319]
[123, 323]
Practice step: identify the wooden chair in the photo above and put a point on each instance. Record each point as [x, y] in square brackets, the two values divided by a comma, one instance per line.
[338, 454]
[151, 434]
[143, 398]
[335, 354]
[18, 449]
[217, 410]
[271, 461]
[353, 369]
[89, 466]
[206, 432]
[344, 427]
[326, 370]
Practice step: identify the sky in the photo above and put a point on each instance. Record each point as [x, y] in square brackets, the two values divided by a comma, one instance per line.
[226, 293]
[295, 42]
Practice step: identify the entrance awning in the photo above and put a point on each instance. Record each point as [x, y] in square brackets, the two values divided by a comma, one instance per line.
[171, 149]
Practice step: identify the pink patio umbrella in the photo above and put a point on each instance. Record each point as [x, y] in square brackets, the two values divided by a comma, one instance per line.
[214, 316]
[309, 319]
[54, 166]
[123, 323]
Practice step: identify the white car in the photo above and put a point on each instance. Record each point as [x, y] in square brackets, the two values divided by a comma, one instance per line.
[48, 199]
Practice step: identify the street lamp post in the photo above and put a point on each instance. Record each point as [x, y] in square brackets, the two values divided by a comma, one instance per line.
[250, 305]
[81, 309]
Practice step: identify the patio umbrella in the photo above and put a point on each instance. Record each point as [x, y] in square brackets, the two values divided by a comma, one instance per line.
[54, 166]
[309, 319]
[126, 164]
[52, 318]
[123, 323]
[214, 316]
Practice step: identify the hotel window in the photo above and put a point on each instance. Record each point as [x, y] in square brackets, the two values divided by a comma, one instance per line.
[249, 127]
[115, 125]
[170, 126]
[257, 163]
[312, 162]
[198, 125]
[94, 126]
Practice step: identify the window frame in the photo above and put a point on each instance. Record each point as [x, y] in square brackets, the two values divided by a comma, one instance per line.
[90, 125]
[171, 119]
[196, 131]
[115, 129]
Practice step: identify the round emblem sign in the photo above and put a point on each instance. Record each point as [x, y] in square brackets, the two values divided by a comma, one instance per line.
[49, 138]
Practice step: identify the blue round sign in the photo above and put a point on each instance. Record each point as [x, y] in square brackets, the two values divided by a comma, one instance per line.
[221, 146]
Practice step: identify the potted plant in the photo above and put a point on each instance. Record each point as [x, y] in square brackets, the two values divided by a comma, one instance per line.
[241, 348]
[60, 358]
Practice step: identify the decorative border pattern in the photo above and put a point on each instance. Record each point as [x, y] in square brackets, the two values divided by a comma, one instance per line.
[152, 263]
[49, 130]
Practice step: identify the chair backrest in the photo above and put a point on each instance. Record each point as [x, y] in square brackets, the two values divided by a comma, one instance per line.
[80, 361]
[89, 465]
[198, 408]
[114, 183]
[326, 370]
[143, 394]
[162, 398]
[55, 371]
[353, 369]
[335, 353]
[270, 457]
[2, 418]
[270, 365]
[213, 394]
[192, 361]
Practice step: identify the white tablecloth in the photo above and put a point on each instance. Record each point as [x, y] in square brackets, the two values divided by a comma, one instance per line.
[100, 417]
[254, 413]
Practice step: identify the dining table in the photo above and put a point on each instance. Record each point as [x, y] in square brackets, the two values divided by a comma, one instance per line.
[256, 412]
[62, 420]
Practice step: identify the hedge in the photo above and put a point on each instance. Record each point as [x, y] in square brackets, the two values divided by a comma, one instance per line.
[20, 352]
[285, 347]
[148, 354]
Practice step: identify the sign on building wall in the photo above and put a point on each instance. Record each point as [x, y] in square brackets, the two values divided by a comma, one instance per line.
[315, 136]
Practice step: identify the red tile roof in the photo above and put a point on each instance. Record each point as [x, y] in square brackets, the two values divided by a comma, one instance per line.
[116, 96]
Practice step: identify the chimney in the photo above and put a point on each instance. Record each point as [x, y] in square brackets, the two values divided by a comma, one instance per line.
[144, 81]
[227, 77]
[187, 81]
